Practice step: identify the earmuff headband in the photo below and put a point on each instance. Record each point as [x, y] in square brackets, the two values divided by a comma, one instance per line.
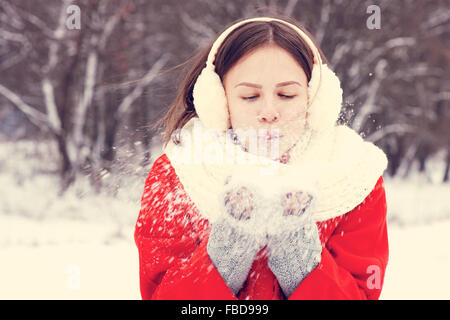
[216, 45]
[324, 92]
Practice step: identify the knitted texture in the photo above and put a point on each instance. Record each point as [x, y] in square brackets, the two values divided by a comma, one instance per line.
[235, 237]
[252, 216]
[232, 252]
[345, 168]
[294, 255]
[293, 240]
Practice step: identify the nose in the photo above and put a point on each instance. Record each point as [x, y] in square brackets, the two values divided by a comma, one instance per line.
[268, 116]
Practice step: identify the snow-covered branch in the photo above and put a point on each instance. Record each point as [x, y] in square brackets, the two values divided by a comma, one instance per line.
[109, 27]
[58, 35]
[12, 36]
[388, 45]
[441, 96]
[418, 70]
[202, 30]
[53, 59]
[14, 58]
[31, 18]
[88, 93]
[34, 115]
[437, 18]
[9, 16]
[324, 18]
[138, 90]
[289, 9]
[389, 129]
[339, 53]
[50, 104]
[369, 105]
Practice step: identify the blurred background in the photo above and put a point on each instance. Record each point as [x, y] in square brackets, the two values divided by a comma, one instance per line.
[83, 81]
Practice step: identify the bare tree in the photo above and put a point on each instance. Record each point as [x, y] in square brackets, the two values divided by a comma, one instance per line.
[98, 88]
[69, 69]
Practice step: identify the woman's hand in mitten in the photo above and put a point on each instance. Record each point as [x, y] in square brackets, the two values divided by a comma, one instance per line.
[235, 239]
[293, 240]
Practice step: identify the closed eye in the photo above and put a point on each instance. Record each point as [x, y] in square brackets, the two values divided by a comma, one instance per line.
[250, 98]
[285, 96]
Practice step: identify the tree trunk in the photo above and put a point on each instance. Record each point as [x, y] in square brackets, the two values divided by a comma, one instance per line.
[447, 168]
[67, 172]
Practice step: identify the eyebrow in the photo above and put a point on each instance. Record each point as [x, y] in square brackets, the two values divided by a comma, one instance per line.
[281, 84]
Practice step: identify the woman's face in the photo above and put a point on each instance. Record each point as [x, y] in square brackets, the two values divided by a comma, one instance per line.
[267, 90]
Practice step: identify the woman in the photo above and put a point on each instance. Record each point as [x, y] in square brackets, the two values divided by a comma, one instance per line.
[259, 194]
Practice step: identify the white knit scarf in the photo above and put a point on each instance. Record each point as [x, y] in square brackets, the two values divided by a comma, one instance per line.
[343, 167]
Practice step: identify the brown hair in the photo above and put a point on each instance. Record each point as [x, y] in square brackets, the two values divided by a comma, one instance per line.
[239, 42]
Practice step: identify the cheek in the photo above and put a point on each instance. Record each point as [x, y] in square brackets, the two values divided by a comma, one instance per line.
[241, 114]
[295, 110]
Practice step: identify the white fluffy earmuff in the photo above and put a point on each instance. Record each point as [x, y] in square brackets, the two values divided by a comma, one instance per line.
[324, 89]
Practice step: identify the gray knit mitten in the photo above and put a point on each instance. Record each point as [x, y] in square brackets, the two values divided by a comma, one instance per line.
[293, 241]
[235, 240]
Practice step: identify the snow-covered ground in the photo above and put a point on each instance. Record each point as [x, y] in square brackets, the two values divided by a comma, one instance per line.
[80, 245]
[69, 271]
[419, 261]
[417, 269]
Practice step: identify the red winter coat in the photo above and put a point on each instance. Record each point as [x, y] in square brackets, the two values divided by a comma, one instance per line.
[171, 237]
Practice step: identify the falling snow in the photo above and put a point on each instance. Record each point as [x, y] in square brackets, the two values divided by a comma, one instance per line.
[95, 233]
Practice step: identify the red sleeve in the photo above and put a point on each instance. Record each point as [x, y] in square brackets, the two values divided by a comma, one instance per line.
[173, 261]
[354, 258]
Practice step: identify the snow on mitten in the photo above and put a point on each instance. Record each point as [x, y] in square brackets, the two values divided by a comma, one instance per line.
[293, 238]
[235, 238]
